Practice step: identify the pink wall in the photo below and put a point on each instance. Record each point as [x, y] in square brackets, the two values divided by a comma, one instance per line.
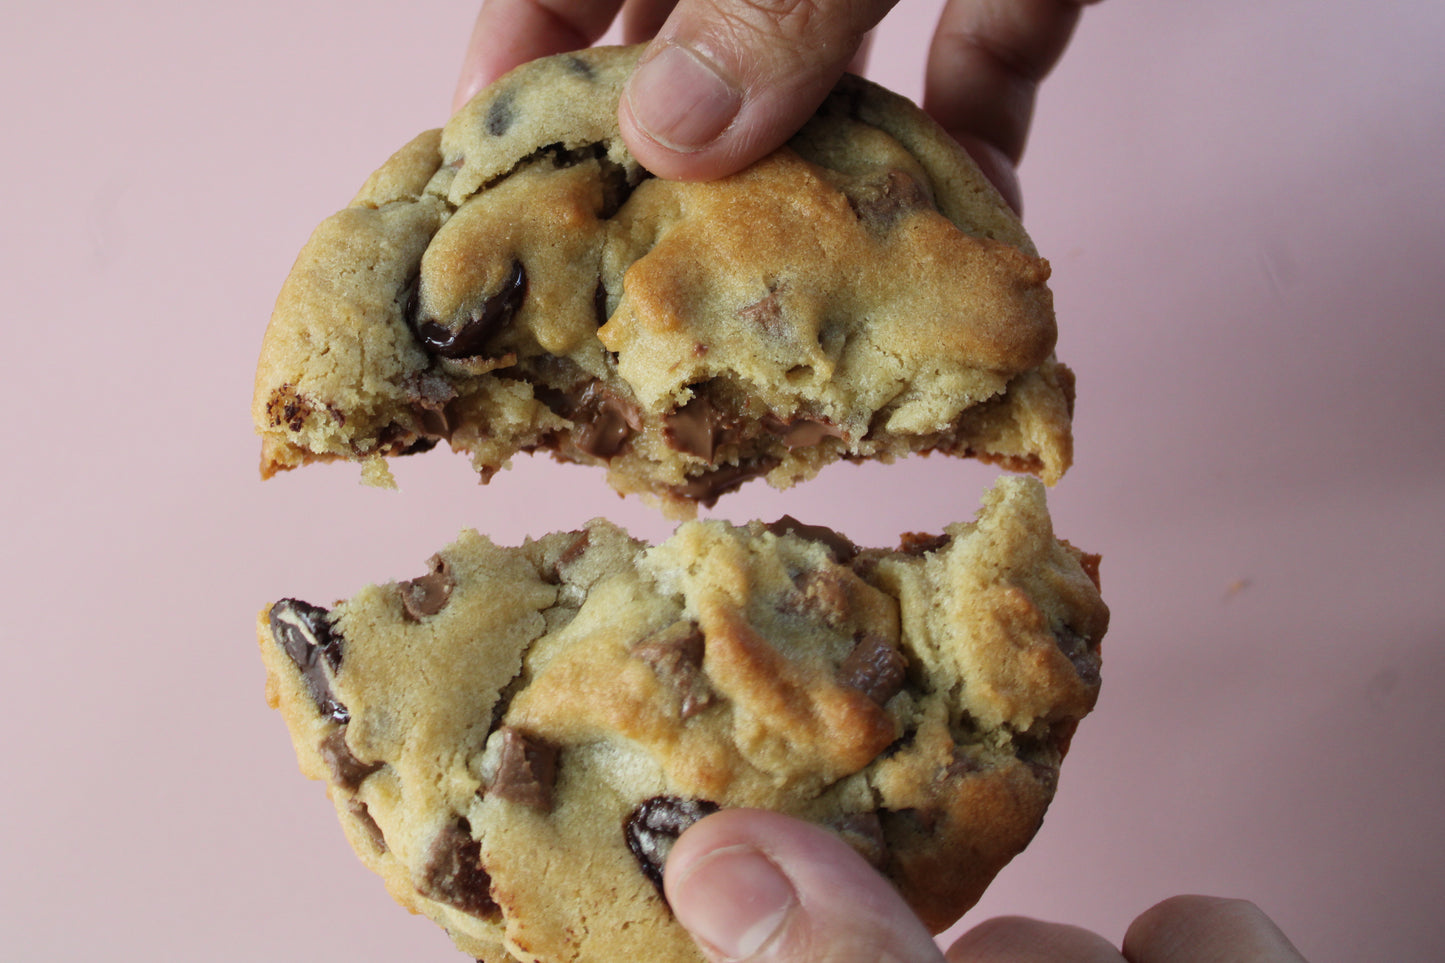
[1243, 203]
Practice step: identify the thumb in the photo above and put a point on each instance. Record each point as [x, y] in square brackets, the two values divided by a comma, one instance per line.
[727, 81]
[764, 888]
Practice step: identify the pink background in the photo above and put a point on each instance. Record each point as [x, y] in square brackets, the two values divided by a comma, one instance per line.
[1244, 206]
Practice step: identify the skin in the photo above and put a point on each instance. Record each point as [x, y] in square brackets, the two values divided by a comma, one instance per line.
[722, 83]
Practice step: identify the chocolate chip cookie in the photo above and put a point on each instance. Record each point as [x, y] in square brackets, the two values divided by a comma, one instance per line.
[514, 738]
[516, 282]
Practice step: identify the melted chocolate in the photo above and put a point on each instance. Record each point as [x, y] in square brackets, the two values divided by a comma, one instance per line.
[304, 631]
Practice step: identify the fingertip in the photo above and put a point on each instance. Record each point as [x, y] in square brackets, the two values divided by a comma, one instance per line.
[756, 885]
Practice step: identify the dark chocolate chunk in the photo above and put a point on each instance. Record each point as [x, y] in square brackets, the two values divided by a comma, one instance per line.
[526, 770]
[579, 66]
[500, 114]
[347, 771]
[839, 545]
[655, 825]
[1080, 653]
[675, 654]
[453, 873]
[428, 594]
[874, 668]
[305, 633]
[464, 338]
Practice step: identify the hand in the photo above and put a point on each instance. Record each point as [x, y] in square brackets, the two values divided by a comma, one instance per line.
[724, 82]
[759, 887]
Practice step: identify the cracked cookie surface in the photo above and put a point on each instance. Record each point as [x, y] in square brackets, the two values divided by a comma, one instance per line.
[516, 282]
[513, 738]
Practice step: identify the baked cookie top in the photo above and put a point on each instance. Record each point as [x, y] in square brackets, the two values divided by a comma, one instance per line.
[517, 282]
[514, 738]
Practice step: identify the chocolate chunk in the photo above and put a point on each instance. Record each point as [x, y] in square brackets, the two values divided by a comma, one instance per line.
[499, 114]
[675, 654]
[347, 771]
[882, 204]
[697, 428]
[864, 832]
[841, 547]
[874, 668]
[918, 543]
[526, 770]
[453, 873]
[963, 764]
[604, 421]
[305, 633]
[1077, 648]
[801, 432]
[427, 595]
[823, 594]
[579, 66]
[655, 825]
[707, 488]
[362, 815]
[465, 338]
[766, 312]
[599, 303]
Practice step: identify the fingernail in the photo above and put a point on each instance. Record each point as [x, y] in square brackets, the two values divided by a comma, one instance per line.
[735, 900]
[680, 100]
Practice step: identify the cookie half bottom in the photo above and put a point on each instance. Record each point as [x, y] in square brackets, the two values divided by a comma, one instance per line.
[514, 738]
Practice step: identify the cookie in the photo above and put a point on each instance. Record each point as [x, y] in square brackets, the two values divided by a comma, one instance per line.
[516, 282]
[514, 738]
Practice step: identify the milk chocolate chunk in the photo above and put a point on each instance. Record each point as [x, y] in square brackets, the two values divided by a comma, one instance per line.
[304, 631]
[347, 771]
[697, 428]
[882, 204]
[604, 421]
[655, 825]
[841, 547]
[864, 832]
[427, 595]
[526, 770]
[824, 595]
[500, 114]
[675, 654]
[466, 337]
[919, 543]
[707, 488]
[874, 668]
[453, 873]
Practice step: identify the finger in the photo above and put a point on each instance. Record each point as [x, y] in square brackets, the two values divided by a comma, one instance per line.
[1206, 929]
[984, 67]
[1014, 939]
[508, 33]
[761, 887]
[642, 19]
[727, 81]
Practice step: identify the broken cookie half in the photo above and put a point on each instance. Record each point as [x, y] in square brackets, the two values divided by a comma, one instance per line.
[516, 282]
[515, 738]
